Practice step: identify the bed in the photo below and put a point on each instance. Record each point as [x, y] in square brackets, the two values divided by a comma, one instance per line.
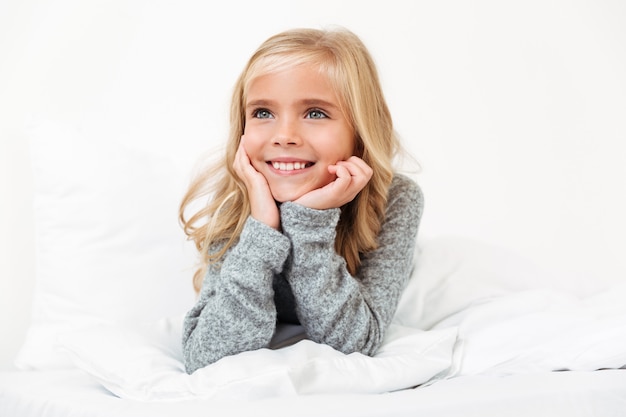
[73, 393]
[502, 352]
[479, 331]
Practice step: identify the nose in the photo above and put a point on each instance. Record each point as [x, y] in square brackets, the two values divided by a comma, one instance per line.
[287, 134]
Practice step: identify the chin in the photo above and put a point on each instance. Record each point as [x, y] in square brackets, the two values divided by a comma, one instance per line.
[282, 196]
[282, 199]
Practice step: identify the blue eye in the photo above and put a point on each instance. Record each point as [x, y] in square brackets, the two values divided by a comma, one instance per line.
[316, 114]
[262, 114]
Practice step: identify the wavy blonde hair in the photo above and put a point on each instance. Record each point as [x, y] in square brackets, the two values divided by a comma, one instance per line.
[344, 59]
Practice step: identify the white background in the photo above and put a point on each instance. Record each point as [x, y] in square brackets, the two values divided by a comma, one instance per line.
[516, 111]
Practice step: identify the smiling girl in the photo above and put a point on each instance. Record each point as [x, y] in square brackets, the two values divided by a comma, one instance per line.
[307, 223]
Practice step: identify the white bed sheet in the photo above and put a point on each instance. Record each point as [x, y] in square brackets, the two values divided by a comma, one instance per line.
[72, 393]
[467, 311]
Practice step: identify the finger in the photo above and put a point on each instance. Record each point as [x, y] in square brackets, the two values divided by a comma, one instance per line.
[243, 154]
[240, 160]
[237, 160]
[357, 167]
[359, 175]
[340, 171]
[344, 179]
[243, 167]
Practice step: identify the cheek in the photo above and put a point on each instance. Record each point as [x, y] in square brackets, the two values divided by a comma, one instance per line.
[348, 141]
[326, 179]
[252, 143]
[348, 147]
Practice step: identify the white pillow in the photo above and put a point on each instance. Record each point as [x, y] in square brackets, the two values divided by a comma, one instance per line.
[539, 331]
[109, 248]
[452, 273]
[512, 316]
[145, 363]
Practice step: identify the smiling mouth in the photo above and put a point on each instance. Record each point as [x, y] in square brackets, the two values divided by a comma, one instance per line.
[290, 166]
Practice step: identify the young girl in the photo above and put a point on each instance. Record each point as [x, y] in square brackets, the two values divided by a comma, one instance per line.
[306, 222]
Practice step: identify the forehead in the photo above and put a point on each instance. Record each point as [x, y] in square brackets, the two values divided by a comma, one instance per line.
[302, 81]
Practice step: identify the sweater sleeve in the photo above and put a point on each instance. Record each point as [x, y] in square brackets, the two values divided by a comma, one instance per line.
[235, 311]
[351, 313]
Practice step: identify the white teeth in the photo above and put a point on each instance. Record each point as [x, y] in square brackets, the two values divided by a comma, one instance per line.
[288, 166]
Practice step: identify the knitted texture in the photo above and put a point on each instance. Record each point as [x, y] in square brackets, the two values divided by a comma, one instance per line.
[296, 276]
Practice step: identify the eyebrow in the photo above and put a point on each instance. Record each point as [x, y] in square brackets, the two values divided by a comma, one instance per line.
[307, 102]
[258, 103]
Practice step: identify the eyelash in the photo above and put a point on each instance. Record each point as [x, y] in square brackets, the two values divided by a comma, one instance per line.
[256, 112]
[323, 114]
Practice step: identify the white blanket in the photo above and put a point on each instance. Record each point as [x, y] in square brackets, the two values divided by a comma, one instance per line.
[469, 309]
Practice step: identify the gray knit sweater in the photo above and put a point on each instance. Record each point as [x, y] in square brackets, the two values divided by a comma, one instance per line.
[297, 277]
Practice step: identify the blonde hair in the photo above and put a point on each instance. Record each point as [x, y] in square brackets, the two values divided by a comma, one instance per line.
[344, 59]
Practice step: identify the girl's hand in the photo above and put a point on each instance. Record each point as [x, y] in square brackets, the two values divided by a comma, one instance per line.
[352, 176]
[262, 205]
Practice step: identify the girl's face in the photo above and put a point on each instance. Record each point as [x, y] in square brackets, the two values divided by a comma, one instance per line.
[295, 130]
